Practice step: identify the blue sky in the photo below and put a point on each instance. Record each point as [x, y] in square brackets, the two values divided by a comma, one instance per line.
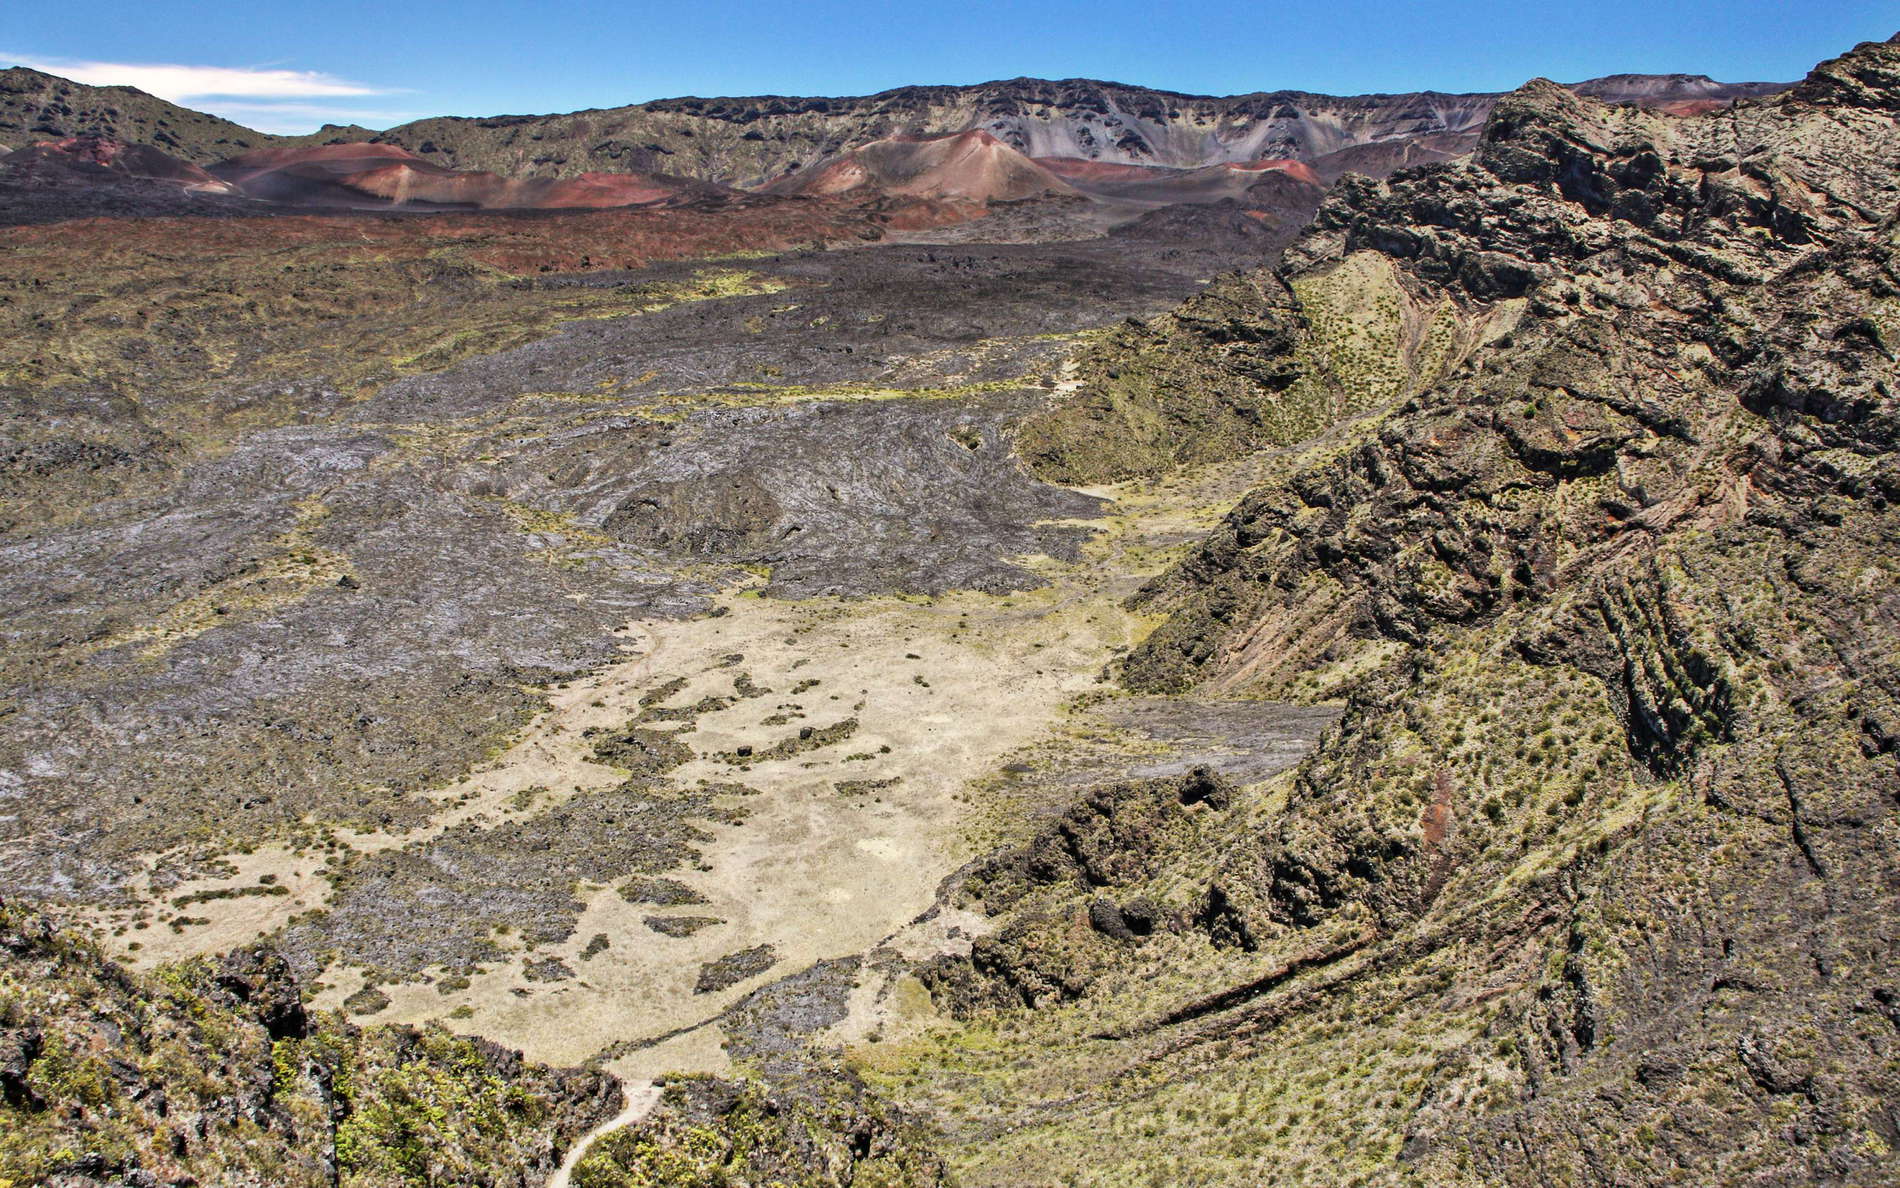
[288, 67]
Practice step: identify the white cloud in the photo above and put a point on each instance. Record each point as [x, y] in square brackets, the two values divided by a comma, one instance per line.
[292, 118]
[181, 84]
[273, 94]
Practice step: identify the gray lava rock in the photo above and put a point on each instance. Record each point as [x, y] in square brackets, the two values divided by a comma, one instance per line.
[734, 968]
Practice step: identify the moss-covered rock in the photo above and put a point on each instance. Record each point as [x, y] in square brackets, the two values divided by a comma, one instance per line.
[214, 1071]
[709, 1133]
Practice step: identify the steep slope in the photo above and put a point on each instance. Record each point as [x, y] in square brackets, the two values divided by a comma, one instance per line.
[1378, 158]
[1254, 360]
[81, 176]
[752, 142]
[129, 160]
[1595, 882]
[748, 142]
[968, 166]
[215, 1073]
[372, 175]
[85, 163]
[35, 106]
[1159, 186]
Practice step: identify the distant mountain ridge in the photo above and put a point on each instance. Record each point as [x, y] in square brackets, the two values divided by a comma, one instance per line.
[751, 142]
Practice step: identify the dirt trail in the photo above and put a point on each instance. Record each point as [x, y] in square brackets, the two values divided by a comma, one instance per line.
[640, 1097]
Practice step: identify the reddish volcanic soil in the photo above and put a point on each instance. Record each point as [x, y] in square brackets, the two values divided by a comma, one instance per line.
[1100, 171]
[133, 160]
[333, 158]
[967, 166]
[360, 175]
[402, 183]
[1285, 188]
[321, 174]
[515, 243]
[1297, 169]
[609, 189]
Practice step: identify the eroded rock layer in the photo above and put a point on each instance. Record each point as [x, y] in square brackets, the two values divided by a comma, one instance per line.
[1595, 881]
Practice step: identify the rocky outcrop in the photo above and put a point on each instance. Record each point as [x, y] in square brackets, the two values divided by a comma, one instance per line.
[36, 106]
[1071, 894]
[825, 1132]
[1192, 385]
[1112, 836]
[1604, 828]
[1617, 253]
[215, 1073]
[1251, 362]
